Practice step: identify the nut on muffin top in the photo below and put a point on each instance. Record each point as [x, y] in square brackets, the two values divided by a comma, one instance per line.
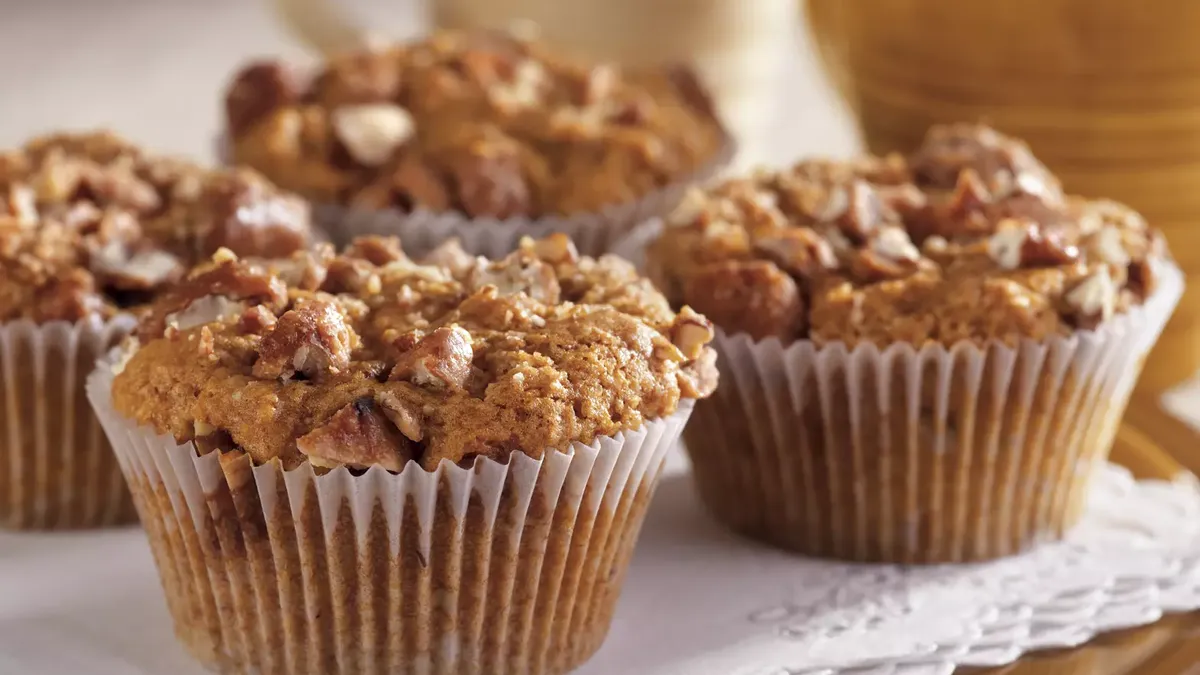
[90, 224]
[969, 238]
[483, 123]
[370, 358]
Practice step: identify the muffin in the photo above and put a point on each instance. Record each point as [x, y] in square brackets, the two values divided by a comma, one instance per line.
[91, 228]
[481, 136]
[923, 359]
[361, 463]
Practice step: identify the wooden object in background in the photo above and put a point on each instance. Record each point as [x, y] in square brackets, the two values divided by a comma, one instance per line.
[1107, 92]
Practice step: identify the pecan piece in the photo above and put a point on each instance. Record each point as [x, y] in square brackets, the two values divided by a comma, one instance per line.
[376, 250]
[800, 251]
[1091, 300]
[21, 203]
[490, 184]
[357, 436]
[257, 320]
[690, 332]
[257, 90]
[517, 273]
[1018, 244]
[1002, 162]
[441, 359]
[406, 416]
[118, 267]
[246, 217]
[1141, 278]
[555, 249]
[755, 297]
[312, 339]
[890, 254]
[451, 256]
[372, 132]
[699, 378]
[226, 277]
[70, 297]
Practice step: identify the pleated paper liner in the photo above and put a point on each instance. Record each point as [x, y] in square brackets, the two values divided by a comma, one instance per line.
[504, 568]
[916, 455]
[56, 469]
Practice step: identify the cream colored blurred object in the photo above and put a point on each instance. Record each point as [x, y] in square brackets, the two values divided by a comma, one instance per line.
[739, 48]
[1106, 92]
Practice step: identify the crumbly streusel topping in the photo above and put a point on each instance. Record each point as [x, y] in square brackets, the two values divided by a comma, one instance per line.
[481, 123]
[368, 357]
[90, 224]
[970, 238]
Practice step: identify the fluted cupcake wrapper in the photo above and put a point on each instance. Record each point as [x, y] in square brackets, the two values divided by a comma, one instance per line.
[503, 568]
[594, 234]
[916, 454]
[56, 469]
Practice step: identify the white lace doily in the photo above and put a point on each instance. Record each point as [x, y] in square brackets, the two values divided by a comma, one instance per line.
[1135, 557]
[699, 600]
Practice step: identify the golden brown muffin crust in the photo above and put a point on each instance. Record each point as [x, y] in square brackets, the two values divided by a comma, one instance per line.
[91, 224]
[369, 357]
[480, 123]
[971, 238]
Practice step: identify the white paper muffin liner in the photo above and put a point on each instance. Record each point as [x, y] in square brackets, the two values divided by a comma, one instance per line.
[56, 470]
[503, 568]
[916, 455]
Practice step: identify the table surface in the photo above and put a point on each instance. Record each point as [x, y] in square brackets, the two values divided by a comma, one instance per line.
[152, 69]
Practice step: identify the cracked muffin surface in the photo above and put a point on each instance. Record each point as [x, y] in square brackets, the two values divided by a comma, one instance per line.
[368, 357]
[483, 124]
[90, 224]
[969, 238]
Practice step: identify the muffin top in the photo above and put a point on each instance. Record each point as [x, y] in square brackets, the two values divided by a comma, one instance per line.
[368, 357]
[484, 124]
[970, 238]
[90, 224]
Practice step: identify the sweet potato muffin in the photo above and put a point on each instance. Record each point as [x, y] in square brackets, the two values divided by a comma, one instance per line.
[479, 125]
[923, 358]
[491, 430]
[91, 228]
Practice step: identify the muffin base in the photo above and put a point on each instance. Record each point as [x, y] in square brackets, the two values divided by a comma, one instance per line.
[56, 469]
[906, 455]
[594, 234]
[497, 569]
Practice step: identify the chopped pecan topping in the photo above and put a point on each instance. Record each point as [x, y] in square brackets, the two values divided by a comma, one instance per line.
[419, 185]
[699, 378]
[257, 320]
[71, 297]
[755, 297]
[21, 203]
[490, 185]
[689, 208]
[1141, 278]
[451, 256]
[800, 251]
[556, 249]
[120, 268]
[1108, 246]
[226, 277]
[257, 90]
[357, 436]
[406, 416]
[1092, 300]
[518, 273]
[312, 339]
[1017, 244]
[691, 332]
[523, 90]
[1000, 161]
[249, 220]
[306, 270]
[376, 250]
[372, 132]
[441, 359]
